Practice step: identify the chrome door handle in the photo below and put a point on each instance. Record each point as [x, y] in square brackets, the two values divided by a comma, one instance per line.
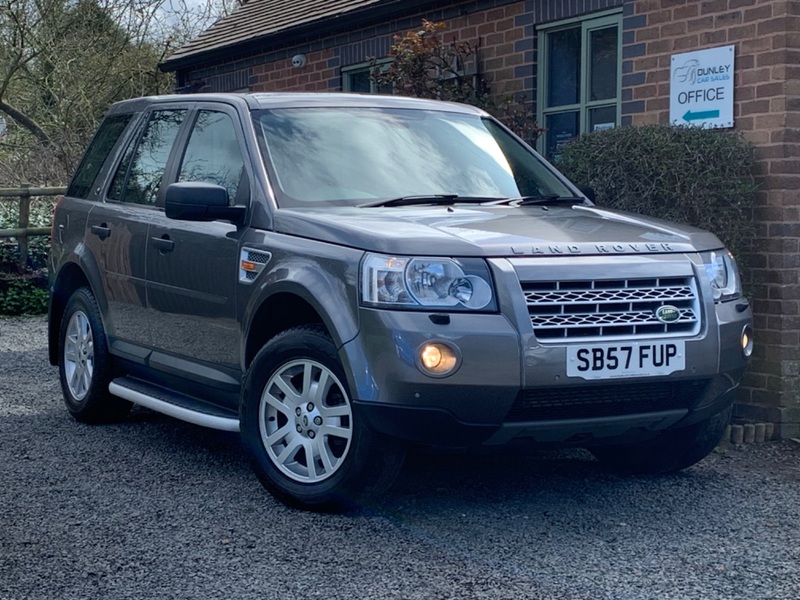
[101, 231]
[163, 244]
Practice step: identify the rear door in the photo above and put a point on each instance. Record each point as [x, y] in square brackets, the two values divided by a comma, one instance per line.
[192, 267]
[71, 223]
[117, 229]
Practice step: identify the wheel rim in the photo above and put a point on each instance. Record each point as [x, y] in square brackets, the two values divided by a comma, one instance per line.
[79, 355]
[305, 421]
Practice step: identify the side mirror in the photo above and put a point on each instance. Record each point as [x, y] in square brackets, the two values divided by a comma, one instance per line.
[200, 201]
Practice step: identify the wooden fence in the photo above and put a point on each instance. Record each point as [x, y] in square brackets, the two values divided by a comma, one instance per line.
[23, 231]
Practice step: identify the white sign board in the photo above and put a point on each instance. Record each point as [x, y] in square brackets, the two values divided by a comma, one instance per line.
[701, 88]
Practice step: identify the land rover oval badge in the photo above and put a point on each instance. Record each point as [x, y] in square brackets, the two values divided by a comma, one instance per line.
[667, 314]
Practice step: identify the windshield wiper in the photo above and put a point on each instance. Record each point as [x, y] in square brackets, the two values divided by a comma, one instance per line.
[542, 200]
[435, 199]
[450, 199]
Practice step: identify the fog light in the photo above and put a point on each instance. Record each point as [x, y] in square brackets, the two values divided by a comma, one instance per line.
[437, 359]
[747, 341]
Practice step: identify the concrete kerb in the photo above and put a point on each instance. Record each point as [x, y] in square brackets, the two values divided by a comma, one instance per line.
[748, 433]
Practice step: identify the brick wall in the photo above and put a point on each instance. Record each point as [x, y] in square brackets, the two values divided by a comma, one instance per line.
[502, 30]
[319, 74]
[766, 34]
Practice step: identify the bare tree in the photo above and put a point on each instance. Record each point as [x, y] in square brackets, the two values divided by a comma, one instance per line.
[62, 62]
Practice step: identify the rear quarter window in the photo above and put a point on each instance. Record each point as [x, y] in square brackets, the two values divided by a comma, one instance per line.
[102, 143]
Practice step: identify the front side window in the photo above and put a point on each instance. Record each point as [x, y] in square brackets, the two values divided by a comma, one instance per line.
[213, 154]
[138, 177]
[98, 151]
[579, 81]
[351, 156]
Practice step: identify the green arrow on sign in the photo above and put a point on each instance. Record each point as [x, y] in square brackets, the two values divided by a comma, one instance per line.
[701, 115]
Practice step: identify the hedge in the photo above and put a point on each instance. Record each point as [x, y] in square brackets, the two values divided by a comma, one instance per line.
[700, 177]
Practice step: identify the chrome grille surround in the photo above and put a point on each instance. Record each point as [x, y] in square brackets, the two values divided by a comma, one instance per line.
[603, 309]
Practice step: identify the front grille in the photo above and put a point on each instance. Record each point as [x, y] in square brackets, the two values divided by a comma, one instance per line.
[602, 309]
[606, 400]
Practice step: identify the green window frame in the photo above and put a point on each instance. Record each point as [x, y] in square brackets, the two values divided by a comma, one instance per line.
[356, 78]
[579, 79]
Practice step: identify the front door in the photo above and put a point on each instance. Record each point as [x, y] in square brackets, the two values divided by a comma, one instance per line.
[193, 267]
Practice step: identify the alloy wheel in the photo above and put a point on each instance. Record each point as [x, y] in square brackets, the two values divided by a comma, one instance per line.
[79, 355]
[305, 421]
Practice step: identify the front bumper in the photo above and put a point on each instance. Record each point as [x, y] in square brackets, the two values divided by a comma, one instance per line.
[435, 426]
[498, 394]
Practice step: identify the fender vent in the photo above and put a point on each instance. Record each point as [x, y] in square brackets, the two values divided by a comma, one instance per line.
[251, 263]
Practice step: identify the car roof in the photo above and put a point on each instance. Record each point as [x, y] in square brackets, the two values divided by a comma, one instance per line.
[298, 100]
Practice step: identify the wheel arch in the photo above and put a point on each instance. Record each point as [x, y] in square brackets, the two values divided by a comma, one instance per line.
[70, 278]
[291, 306]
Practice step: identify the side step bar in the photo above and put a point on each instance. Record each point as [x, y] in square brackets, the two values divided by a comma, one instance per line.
[174, 405]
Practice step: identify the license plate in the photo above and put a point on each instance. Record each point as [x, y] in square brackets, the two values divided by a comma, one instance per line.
[629, 359]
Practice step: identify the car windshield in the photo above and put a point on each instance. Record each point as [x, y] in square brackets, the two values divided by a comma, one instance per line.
[361, 156]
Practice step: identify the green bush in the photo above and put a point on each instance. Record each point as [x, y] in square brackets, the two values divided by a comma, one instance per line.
[38, 250]
[696, 176]
[25, 292]
[22, 296]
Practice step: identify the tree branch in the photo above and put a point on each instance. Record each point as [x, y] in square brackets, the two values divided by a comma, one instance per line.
[26, 122]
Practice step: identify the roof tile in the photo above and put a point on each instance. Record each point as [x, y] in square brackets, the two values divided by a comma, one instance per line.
[261, 18]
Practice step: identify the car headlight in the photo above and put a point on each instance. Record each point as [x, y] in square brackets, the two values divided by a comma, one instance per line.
[723, 275]
[426, 283]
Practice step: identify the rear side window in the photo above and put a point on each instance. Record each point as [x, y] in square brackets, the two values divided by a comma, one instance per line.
[115, 191]
[95, 156]
[138, 177]
[213, 154]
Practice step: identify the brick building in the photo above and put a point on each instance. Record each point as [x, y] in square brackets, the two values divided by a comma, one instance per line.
[585, 65]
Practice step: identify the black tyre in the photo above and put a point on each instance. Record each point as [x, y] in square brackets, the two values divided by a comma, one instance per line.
[671, 451]
[84, 364]
[307, 444]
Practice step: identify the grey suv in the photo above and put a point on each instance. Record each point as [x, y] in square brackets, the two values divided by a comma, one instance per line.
[338, 276]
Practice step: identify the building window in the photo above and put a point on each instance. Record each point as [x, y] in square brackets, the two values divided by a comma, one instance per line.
[579, 78]
[356, 78]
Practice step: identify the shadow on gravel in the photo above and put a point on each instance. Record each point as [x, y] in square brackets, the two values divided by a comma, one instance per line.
[437, 481]
[151, 447]
[184, 439]
[541, 484]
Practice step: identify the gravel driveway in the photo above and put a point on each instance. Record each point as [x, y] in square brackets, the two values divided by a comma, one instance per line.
[156, 508]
